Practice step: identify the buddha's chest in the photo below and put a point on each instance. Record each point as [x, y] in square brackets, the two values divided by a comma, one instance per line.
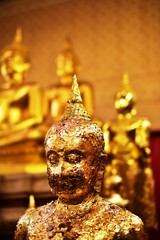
[65, 226]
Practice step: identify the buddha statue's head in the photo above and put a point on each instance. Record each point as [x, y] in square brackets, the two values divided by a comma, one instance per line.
[67, 63]
[125, 98]
[74, 148]
[14, 61]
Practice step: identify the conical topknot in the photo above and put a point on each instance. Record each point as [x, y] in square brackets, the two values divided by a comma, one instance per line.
[18, 36]
[75, 108]
[125, 79]
[125, 90]
[125, 83]
[17, 44]
[75, 96]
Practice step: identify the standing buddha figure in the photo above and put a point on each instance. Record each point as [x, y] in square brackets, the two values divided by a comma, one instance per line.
[74, 151]
[20, 102]
[128, 173]
[56, 96]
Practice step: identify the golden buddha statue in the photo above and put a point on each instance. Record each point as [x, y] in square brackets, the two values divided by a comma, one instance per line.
[75, 160]
[20, 104]
[128, 150]
[56, 96]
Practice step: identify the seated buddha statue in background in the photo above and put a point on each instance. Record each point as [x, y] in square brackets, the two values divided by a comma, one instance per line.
[128, 173]
[74, 150]
[20, 103]
[56, 96]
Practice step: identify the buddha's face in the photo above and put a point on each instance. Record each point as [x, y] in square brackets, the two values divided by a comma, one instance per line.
[124, 101]
[65, 66]
[14, 66]
[72, 162]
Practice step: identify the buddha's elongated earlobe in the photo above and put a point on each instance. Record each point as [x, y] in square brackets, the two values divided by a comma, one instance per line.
[99, 178]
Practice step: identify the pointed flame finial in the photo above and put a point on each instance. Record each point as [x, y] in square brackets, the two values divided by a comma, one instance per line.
[125, 79]
[126, 89]
[75, 108]
[75, 95]
[68, 45]
[31, 202]
[125, 83]
[18, 36]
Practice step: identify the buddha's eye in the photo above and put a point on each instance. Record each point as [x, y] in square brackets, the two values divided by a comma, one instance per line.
[74, 157]
[52, 157]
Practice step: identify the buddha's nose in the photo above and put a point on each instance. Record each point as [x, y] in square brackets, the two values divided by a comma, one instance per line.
[64, 167]
[61, 167]
[57, 170]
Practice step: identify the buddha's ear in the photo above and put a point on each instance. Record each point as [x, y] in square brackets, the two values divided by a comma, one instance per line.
[99, 178]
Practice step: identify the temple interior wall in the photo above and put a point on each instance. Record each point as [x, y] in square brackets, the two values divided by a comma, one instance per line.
[110, 38]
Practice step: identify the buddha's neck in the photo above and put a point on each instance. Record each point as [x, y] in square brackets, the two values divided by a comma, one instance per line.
[66, 80]
[80, 200]
[127, 115]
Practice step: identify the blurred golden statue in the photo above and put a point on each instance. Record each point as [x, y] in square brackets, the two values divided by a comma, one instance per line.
[128, 173]
[56, 96]
[20, 104]
[31, 204]
[74, 150]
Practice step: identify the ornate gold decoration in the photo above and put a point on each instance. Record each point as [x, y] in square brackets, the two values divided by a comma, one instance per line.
[128, 150]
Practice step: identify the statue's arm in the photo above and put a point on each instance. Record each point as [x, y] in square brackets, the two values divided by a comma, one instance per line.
[136, 228]
[131, 227]
[5, 100]
[34, 111]
[138, 235]
[21, 231]
[133, 234]
[49, 99]
[142, 133]
[142, 140]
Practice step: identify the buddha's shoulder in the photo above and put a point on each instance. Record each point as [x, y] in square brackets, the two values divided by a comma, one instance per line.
[113, 212]
[36, 214]
[115, 222]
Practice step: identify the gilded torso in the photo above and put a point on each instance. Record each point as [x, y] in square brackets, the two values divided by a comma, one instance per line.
[95, 219]
[129, 157]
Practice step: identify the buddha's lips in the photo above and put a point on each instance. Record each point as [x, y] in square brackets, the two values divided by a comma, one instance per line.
[69, 183]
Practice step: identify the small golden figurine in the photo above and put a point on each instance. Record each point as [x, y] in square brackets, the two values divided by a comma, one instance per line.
[31, 202]
[56, 96]
[20, 105]
[127, 147]
[74, 150]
